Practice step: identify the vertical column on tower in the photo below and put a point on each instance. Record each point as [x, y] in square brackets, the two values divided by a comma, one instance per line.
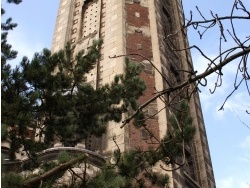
[63, 24]
[113, 35]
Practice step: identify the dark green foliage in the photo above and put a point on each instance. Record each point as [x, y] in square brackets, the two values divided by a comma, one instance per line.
[139, 120]
[4, 132]
[157, 179]
[6, 77]
[14, 1]
[136, 165]
[152, 157]
[50, 93]
[48, 165]
[6, 52]
[52, 90]
[130, 164]
[11, 180]
[180, 132]
[107, 178]
[63, 157]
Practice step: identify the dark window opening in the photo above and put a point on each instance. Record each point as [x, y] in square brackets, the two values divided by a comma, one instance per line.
[144, 134]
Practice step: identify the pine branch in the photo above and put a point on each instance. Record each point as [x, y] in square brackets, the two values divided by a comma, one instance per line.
[34, 182]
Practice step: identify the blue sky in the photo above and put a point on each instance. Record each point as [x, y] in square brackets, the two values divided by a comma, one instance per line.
[229, 139]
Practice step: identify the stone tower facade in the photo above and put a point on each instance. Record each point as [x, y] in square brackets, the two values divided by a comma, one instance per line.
[138, 28]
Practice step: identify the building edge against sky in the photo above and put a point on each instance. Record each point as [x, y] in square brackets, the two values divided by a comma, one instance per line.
[138, 27]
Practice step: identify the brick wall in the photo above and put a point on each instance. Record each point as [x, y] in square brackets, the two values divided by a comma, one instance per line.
[138, 41]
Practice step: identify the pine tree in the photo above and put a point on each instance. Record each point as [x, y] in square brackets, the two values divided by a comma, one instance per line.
[50, 93]
[7, 53]
[136, 166]
[52, 90]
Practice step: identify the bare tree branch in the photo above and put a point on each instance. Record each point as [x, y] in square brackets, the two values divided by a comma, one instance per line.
[188, 82]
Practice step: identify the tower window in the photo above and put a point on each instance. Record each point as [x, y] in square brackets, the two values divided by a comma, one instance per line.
[77, 4]
[73, 40]
[75, 21]
[76, 13]
[89, 18]
[74, 31]
[144, 134]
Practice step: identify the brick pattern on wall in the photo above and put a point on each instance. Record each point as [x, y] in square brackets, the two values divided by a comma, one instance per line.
[139, 42]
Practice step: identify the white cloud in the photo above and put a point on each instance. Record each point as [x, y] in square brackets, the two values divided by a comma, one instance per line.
[244, 154]
[226, 183]
[244, 185]
[244, 159]
[232, 182]
[246, 143]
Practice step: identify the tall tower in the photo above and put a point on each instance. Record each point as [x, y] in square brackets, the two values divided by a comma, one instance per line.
[138, 28]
